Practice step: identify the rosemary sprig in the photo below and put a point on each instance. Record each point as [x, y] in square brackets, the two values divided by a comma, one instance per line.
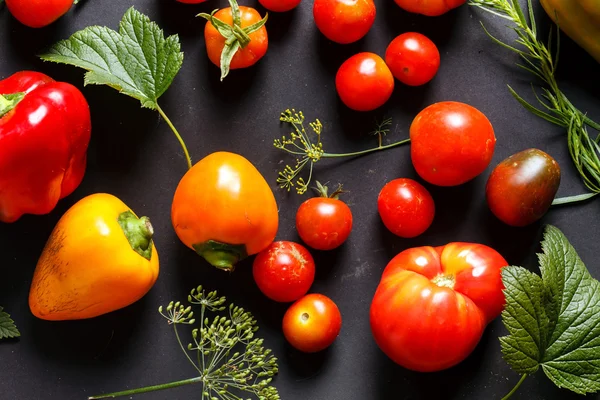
[308, 152]
[538, 60]
[222, 370]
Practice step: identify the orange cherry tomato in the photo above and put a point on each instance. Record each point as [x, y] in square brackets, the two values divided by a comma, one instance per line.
[433, 303]
[344, 21]
[244, 57]
[36, 13]
[224, 209]
[312, 323]
[364, 82]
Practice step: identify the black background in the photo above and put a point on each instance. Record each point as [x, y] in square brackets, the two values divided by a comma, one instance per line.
[134, 156]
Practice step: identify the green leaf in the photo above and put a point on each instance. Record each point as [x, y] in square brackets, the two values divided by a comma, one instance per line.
[8, 329]
[9, 102]
[137, 60]
[554, 321]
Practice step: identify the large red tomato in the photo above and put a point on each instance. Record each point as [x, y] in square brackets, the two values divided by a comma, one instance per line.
[451, 143]
[433, 303]
[431, 8]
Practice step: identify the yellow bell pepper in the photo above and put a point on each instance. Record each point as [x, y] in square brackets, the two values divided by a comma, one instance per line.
[579, 19]
[100, 257]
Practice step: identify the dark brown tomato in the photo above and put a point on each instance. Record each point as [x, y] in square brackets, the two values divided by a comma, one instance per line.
[521, 188]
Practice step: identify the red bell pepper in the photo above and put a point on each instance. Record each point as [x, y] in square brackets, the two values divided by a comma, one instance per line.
[44, 134]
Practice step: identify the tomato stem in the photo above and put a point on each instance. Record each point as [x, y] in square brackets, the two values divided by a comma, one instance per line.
[177, 135]
[573, 199]
[509, 395]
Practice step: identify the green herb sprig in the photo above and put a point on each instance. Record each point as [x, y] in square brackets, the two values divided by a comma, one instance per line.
[300, 144]
[553, 320]
[137, 60]
[228, 358]
[8, 329]
[537, 58]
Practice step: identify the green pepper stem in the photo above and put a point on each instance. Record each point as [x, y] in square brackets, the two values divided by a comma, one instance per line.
[177, 135]
[138, 232]
[147, 389]
[509, 395]
[358, 153]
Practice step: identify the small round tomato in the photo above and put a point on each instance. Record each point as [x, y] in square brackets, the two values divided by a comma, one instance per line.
[344, 21]
[245, 56]
[521, 188]
[433, 303]
[284, 271]
[431, 8]
[413, 58]
[364, 82]
[279, 5]
[451, 143]
[312, 323]
[37, 14]
[191, 1]
[406, 207]
[324, 222]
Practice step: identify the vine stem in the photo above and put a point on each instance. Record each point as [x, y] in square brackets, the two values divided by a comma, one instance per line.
[573, 199]
[358, 153]
[177, 135]
[147, 389]
[509, 395]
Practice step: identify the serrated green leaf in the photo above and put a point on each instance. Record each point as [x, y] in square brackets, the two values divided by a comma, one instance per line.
[554, 321]
[8, 329]
[137, 60]
[9, 101]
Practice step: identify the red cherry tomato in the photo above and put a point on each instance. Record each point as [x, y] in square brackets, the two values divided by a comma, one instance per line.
[36, 13]
[324, 222]
[433, 303]
[364, 82]
[406, 207]
[284, 271]
[344, 21]
[312, 323]
[451, 143]
[191, 1]
[431, 8]
[413, 58]
[279, 5]
[521, 188]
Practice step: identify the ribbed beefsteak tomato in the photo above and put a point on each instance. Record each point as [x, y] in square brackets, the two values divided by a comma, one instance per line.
[433, 303]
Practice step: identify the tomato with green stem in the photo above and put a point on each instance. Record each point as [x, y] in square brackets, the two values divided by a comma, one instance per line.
[312, 323]
[235, 37]
[405, 207]
[324, 222]
[433, 304]
[344, 21]
[37, 14]
[413, 58]
[284, 271]
[364, 82]
[451, 143]
[279, 5]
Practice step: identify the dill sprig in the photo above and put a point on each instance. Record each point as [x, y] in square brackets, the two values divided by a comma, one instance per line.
[228, 358]
[309, 152]
[557, 108]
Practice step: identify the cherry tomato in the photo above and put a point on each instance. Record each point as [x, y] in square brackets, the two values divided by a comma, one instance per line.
[431, 8]
[324, 222]
[36, 13]
[244, 57]
[279, 5]
[364, 82]
[344, 21]
[312, 323]
[451, 143]
[284, 271]
[191, 1]
[521, 188]
[433, 303]
[406, 207]
[413, 58]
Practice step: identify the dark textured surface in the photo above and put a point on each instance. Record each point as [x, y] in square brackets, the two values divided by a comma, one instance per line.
[134, 156]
